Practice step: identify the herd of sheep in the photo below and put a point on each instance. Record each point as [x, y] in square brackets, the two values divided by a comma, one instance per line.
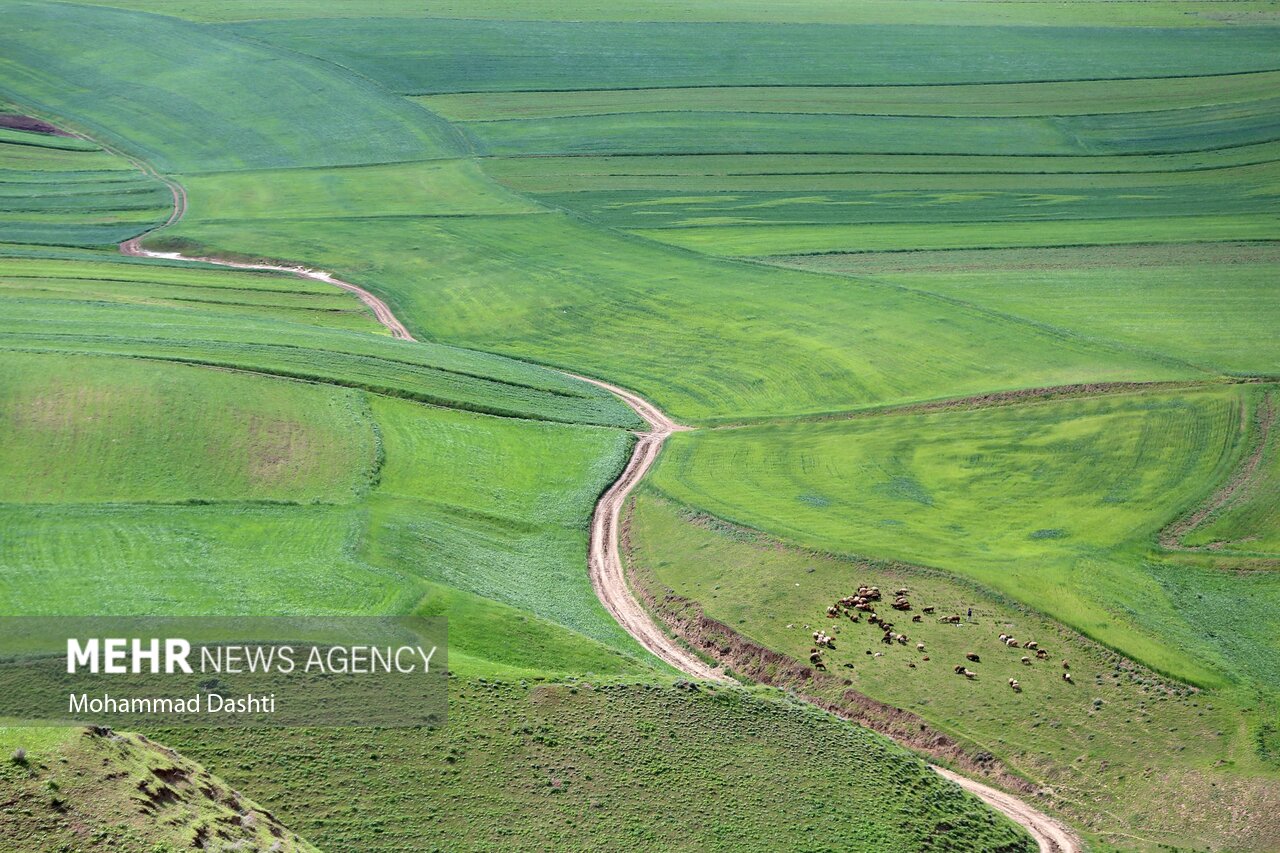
[861, 605]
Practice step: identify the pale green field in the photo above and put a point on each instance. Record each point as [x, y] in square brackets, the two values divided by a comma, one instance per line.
[104, 430]
[1051, 504]
[1210, 304]
[1173, 13]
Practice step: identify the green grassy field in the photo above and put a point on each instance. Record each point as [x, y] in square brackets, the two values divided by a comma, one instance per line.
[84, 430]
[780, 219]
[197, 100]
[62, 190]
[1047, 503]
[1245, 515]
[422, 56]
[592, 765]
[1206, 303]
[1080, 97]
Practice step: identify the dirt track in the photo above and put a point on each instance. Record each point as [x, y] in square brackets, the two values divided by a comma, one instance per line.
[604, 559]
[1051, 835]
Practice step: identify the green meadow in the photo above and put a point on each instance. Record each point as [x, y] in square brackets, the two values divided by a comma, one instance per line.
[841, 240]
[586, 764]
[1048, 503]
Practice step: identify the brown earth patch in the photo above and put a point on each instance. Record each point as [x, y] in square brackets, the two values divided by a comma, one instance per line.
[277, 448]
[63, 408]
[31, 124]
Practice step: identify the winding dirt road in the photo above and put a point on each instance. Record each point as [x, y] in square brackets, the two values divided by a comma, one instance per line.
[604, 560]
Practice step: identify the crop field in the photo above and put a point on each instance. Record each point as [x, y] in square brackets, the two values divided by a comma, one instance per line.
[420, 57]
[63, 190]
[972, 298]
[82, 429]
[700, 355]
[1205, 303]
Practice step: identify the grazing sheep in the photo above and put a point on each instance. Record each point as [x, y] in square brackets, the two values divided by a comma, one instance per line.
[1042, 654]
[833, 611]
[1026, 661]
[815, 658]
[919, 647]
[854, 617]
[902, 639]
[926, 657]
[911, 665]
[970, 674]
[927, 609]
[917, 618]
[1066, 676]
[887, 639]
[901, 604]
[973, 656]
[1066, 665]
[1004, 637]
[959, 669]
[950, 620]
[1011, 643]
[1031, 644]
[1017, 688]
[901, 592]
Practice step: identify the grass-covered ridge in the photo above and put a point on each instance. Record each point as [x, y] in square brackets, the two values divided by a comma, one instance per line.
[77, 789]
[587, 764]
[195, 100]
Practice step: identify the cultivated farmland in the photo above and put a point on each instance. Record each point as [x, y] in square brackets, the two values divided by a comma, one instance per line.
[970, 300]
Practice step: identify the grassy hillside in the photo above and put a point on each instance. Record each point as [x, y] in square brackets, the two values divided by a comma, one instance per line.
[81, 789]
[93, 429]
[64, 190]
[195, 100]
[425, 56]
[591, 765]
[1043, 502]
[1177, 13]
[1102, 749]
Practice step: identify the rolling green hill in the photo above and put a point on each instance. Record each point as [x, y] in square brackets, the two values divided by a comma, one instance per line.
[852, 243]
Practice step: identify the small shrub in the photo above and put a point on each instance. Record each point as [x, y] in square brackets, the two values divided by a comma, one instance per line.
[19, 756]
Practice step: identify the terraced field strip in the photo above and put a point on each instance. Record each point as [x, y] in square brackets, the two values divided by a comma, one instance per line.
[380, 310]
